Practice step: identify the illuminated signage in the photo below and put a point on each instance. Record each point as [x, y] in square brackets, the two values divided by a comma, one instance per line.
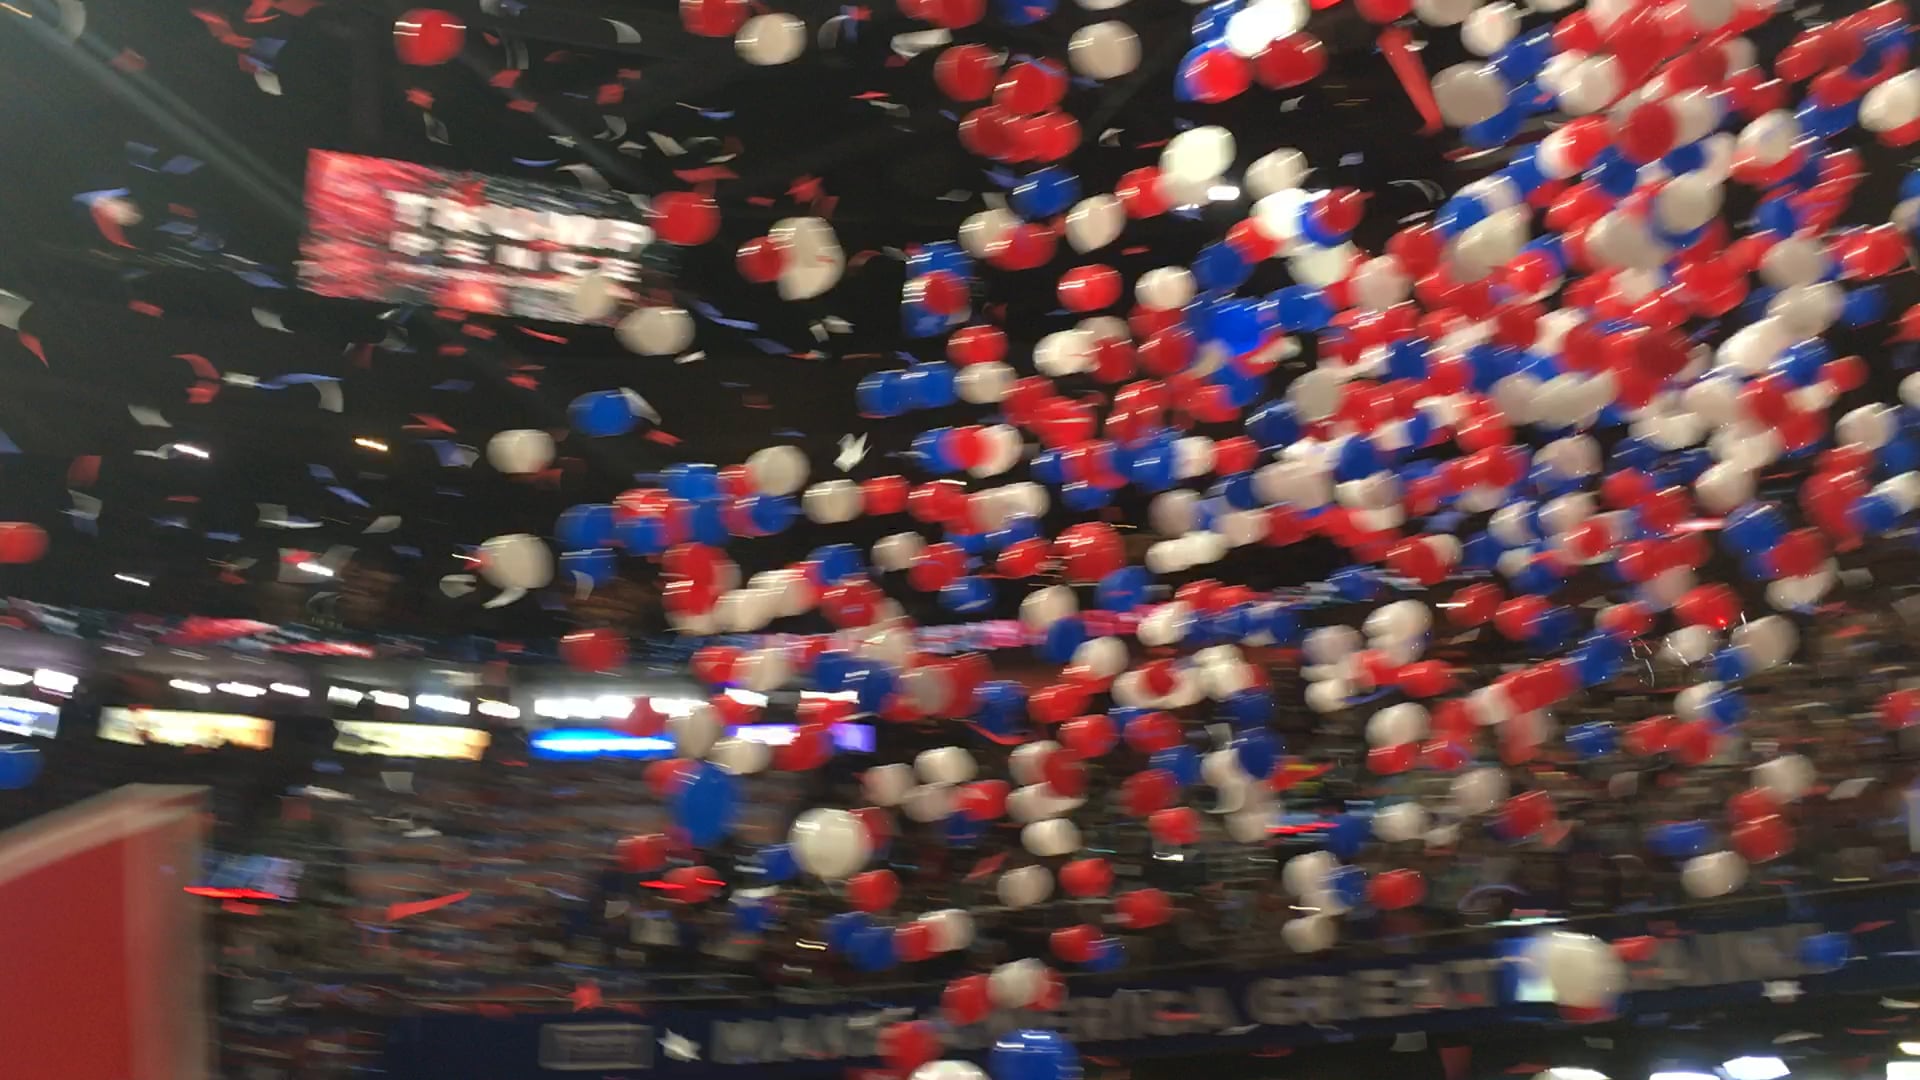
[174, 727]
[398, 232]
[410, 740]
[25, 716]
[602, 742]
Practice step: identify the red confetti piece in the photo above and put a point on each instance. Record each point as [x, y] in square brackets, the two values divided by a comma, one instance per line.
[419, 98]
[33, 346]
[663, 438]
[129, 61]
[141, 307]
[501, 80]
[1875, 925]
[525, 105]
[453, 350]
[555, 338]
[429, 422]
[610, 94]
[709, 172]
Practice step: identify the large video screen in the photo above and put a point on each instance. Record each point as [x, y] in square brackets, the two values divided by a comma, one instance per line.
[410, 740]
[173, 727]
[402, 233]
[25, 716]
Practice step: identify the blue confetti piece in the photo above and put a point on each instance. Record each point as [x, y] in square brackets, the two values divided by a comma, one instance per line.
[451, 493]
[532, 164]
[179, 228]
[407, 550]
[717, 114]
[224, 537]
[258, 279]
[949, 114]
[175, 522]
[789, 433]
[1002, 178]
[139, 154]
[88, 198]
[446, 450]
[181, 165]
[298, 378]
[768, 345]
[208, 242]
[348, 495]
[7, 445]
[268, 48]
[458, 386]
[320, 472]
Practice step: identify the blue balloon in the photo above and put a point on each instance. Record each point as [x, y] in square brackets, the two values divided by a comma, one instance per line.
[771, 513]
[1249, 707]
[1082, 496]
[1274, 425]
[963, 830]
[1825, 952]
[1023, 12]
[1355, 459]
[1002, 705]
[777, 863]
[707, 521]
[750, 913]
[1283, 624]
[1109, 954]
[1062, 638]
[603, 413]
[1753, 528]
[1349, 883]
[1302, 308]
[1407, 358]
[1348, 833]
[1220, 266]
[1875, 513]
[1355, 582]
[871, 948]
[1044, 193]
[1496, 130]
[843, 927]
[836, 561]
[1048, 468]
[1033, 1054]
[1592, 739]
[872, 683]
[1124, 589]
[587, 525]
[967, 595]
[19, 765]
[930, 386]
[692, 480]
[1152, 467]
[704, 801]
[1732, 664]
[1680, 839]
[1181, 762]
[1236, 324]
[596, 564]
[833, 670]
[1257, 752]
[883, 393]
[1725, 706]
[642, 535]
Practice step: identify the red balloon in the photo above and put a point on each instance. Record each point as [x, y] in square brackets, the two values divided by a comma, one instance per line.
[1648, 737]
[1031, 86]
[965, 1000]
[940, 292]
[594, 650]
[1087, 877]
[984, 800]
[1022, 558]
[1382, 12]
[976, 345]
[1088, 736]
[1648, 132]
[686, 218]
[873, 890]
[1900, 709]
[642, 854]
[1089, 288]
[1693, 742]
[1525, 814]
[1074, 944]
[1155, 731]
[761, 259]
[1763, 839]
[1290, 61]
[1148, 791]
[967, 72]
[1139, 193]
[1143, 909]
[884, 494]
[913, 942]
[1090, 551]
[1175, 826]
[1426, 678]
[1397, 889]
[909, 1044]
[1392, 760]
[1516, 618]
[1215, 74]
[1751, 804]
[1714, 606]
[1635, 950]
[693, 884]
[1473, 605]
[714, 18]
[424, 37]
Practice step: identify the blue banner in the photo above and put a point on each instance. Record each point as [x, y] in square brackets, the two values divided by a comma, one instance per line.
[1712, 964]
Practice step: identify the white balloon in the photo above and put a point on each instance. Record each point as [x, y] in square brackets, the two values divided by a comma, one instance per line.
[741, 757]
[1044, 607]
[1582, 971]
[520, 451]
[945, 765]
[1056, 836]
[695, 732]
[1174, 513]
[897, 552]
[1469, 93]
[774, 38]
[831, 502]
[1892, 104]
[1094, 222]
[948, 1070]
[1770, 641]
[1310, 934]
[1591, 85]
[983, 230]
[1716, 874]
[1443, 12]
[1198, 154]
[1397, 724]
[1277, 170]
[1024, 886]
[815, 260]
[1026, 760]
[516, 561]
[952, 931]
[929, 802]
[984, 384]
[1488, 29]
[1688, 201]
[1104, 50]
[777, 470]
[1400, 822]
[1787, 777]
[829, 844]
[595, 296]
[1063, 353]
[1477, 791]
[655, 331]
[1165, 288]
[1016, 984]
[1724, 486]
[1105, 657]
[886, 785]
[1251, 29]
